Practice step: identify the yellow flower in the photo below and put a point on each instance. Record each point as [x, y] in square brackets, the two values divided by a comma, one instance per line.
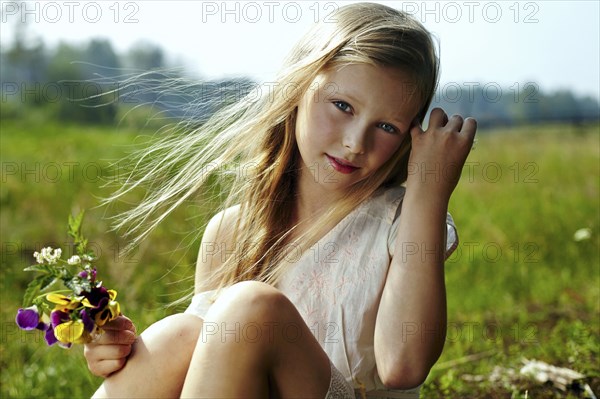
[86, 303]
[71, 332]
[58, 298]
[63, 302]
[110, 312]
[115, 309]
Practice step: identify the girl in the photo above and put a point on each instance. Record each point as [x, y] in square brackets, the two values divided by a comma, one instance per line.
[323, 274]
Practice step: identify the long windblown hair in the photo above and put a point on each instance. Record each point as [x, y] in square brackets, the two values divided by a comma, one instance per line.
[249, 147]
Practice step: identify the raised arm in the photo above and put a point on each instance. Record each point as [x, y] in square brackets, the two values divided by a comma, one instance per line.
[411, 321]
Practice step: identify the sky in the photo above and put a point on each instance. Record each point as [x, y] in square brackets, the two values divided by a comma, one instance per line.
[550, 44]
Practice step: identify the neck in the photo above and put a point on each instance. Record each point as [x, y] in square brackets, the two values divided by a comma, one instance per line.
[312, 200]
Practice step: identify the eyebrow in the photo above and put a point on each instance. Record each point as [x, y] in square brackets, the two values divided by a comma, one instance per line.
[346, 94]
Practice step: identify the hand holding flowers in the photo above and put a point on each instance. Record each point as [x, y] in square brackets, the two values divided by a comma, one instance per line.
[75, 314]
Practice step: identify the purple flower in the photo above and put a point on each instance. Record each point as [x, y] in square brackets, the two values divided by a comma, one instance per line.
[28, 319]
[42, 326]
[95, 296]
[83, 274]
[49, 336]
[58, 317]
[88, 322]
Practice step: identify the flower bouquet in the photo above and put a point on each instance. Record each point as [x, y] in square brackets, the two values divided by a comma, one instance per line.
[77, 313]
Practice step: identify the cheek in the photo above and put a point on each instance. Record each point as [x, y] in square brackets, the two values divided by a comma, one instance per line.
[387, 147]
[302, 124]
[315, 124]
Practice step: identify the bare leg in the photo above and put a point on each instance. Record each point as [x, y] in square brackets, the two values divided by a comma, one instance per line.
[158, 362]
[255, 344]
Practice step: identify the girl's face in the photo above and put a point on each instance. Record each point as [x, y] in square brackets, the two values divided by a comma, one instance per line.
[350, 122]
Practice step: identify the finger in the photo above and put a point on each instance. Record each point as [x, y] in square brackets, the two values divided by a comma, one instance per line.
[115, 337]
[455, 123]
[469, 128]
[416, 130]
[438, 118]
[95, 354]
[120, 323]
[107, 367]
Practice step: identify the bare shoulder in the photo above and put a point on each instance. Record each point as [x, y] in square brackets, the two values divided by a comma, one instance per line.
[216, 241]
[220, 227]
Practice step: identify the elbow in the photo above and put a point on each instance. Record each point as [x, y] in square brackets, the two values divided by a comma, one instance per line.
[406, 367]
[406, 377]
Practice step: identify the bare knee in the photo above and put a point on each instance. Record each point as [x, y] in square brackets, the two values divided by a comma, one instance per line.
[254, 290]
[172, 338]
[256, 326]
[181, 328]
[251, 312]
[255, 300]
[185, 328]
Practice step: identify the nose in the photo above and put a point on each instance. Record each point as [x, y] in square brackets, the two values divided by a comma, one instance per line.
[354, 139]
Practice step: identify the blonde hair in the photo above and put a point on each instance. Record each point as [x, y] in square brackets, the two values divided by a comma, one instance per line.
[261, 133]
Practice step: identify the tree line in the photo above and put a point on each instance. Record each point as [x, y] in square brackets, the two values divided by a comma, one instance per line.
[91, 83]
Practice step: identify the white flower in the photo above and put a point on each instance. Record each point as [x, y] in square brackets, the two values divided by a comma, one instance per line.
[48, 255]
[52, 258]
[74, 260]
[582, 234]
[46, 252]
[38, 257]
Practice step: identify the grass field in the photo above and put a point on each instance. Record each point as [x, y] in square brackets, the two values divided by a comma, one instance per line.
[519, 286]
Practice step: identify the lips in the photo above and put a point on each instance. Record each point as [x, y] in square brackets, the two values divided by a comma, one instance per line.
[341, 165]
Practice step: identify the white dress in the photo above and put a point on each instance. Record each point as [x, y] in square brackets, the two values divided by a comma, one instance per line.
[336, 286]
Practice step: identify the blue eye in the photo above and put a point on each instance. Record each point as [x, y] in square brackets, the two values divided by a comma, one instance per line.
[343, 106]
[387, 127]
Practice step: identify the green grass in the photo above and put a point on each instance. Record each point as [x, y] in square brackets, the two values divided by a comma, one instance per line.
[518, 287]
[49, 171]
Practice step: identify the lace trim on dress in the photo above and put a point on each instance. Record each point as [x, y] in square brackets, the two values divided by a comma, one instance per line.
[339, 388]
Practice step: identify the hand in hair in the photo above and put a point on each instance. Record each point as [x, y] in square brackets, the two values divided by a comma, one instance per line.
[439, 154]
[108, 354]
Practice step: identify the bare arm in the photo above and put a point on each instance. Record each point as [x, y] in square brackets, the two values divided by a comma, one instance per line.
[411, 321]
[216, 241]
[110, 352]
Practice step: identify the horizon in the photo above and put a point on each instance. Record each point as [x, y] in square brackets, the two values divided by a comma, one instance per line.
[506, 45]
